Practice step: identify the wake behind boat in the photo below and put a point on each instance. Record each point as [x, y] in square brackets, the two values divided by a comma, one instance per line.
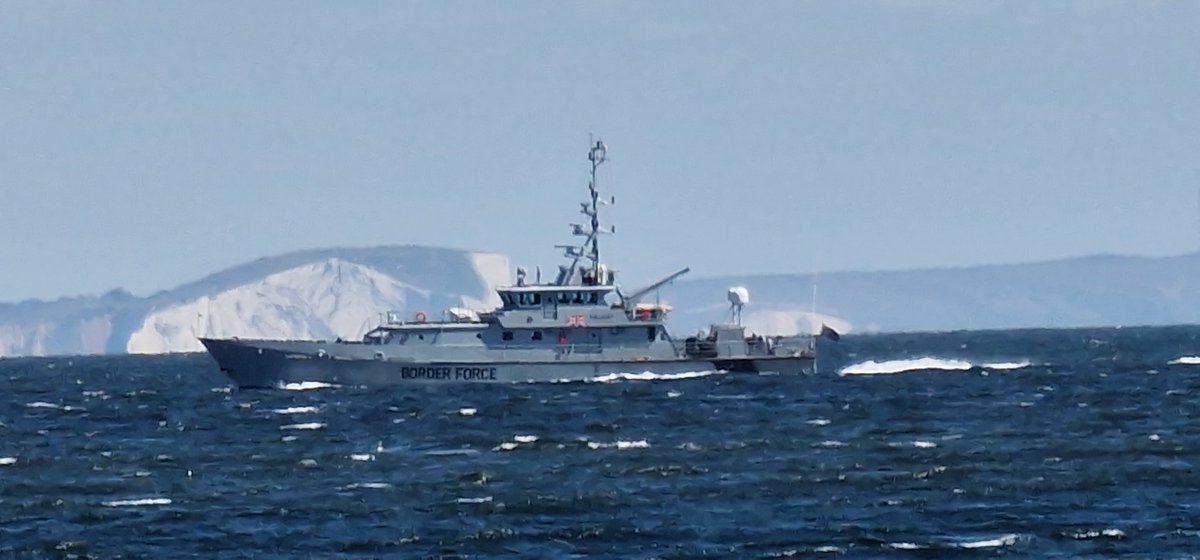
[578, 327]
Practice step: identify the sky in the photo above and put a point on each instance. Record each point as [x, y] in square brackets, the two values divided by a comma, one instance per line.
[147, 144]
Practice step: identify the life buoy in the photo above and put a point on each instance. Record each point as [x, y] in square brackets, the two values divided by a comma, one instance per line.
[421, 317]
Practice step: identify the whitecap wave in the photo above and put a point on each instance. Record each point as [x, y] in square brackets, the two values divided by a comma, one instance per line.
[368, 485]
[139, 502]
[5, 461]
[467, 411]
[362, 457]
[41, 404]
[817, 422]
[1094, 534]
[651, 376]
[517, 441]
[1185, 361]
[1005, 540]
[306, 386]
[888, 367]
[459, 452]
[296, 410]
[1006, 365]
[872, 367]
[304, 426]
[483, 500]
[619, 444]
[64, 408]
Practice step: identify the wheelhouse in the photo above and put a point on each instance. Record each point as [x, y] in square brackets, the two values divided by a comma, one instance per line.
[530, 297]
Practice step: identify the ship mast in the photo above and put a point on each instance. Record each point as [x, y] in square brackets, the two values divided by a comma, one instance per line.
[598, 154]
[590, 247]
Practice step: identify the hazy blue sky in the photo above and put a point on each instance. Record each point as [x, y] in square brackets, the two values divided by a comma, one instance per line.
[146, 144]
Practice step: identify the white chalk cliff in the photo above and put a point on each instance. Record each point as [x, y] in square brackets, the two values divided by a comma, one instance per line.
[328, 299]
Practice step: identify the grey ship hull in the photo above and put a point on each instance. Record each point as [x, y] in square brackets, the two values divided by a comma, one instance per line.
[268, 364]
[578, 327]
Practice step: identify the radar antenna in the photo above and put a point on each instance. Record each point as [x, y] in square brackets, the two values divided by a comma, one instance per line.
[739, 296]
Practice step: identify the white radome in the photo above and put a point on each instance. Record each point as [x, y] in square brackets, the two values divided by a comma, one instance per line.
[739, 295]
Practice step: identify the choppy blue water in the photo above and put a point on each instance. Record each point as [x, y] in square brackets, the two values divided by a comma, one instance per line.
[1019, 443]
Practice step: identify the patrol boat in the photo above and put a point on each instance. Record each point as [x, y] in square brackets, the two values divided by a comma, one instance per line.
[581, 326]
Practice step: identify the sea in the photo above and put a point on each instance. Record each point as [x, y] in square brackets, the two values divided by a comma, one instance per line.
[1023, 443]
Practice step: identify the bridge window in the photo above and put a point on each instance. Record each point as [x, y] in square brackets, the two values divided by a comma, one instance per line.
[537, 335]
[564, 297]
[506, 335]
[650, 333]
[578, 297]
[537, 299]
[594, 298]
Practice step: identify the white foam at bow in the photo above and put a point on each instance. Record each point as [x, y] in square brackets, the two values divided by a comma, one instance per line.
[650, 376]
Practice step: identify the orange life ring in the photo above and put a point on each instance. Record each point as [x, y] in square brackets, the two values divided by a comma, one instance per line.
[421, 317]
